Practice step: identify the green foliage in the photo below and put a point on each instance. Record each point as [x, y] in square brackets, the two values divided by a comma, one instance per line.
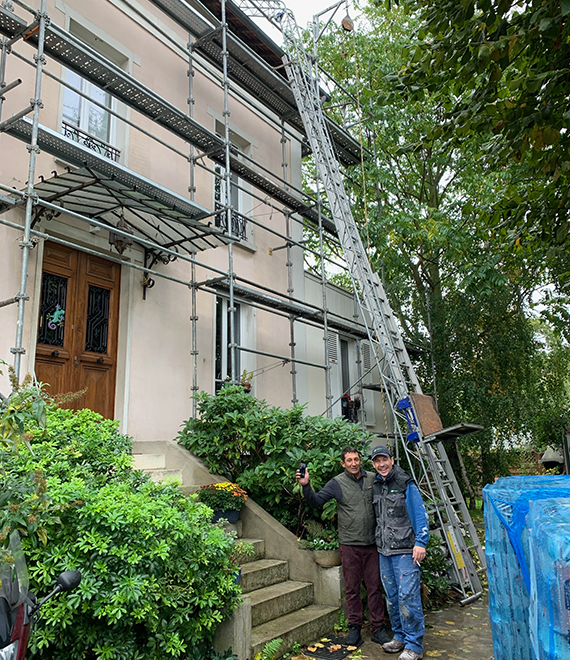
[435, 574]
[260, 448]
[499, 69]
[157, 576]
[270, 650]
[341, 625]
[467, 294]
[296, 648]
[319, 537]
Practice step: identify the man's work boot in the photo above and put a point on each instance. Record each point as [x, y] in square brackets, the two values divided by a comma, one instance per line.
[381, 636]
[354, 638]
[393, 646]
[408, 654]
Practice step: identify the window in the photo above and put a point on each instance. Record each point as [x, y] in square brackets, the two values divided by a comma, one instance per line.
[222, 351]
[350, 401]
[240, 201]
[239, 221]
[85, 122]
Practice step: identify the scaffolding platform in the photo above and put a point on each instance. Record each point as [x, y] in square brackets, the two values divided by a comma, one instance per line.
[250, 69]
[81, 58]
[288, 306]
[102, 188]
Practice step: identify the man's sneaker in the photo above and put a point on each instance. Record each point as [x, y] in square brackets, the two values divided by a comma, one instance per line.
[408, 654]
[381, 636]
[393, 646]
[354, 638]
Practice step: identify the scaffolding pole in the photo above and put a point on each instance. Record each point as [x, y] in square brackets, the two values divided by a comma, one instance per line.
[192, 190]
[228, 196]
[26, 245]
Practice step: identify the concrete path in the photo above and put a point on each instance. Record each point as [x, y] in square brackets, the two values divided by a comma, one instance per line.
[455, 632]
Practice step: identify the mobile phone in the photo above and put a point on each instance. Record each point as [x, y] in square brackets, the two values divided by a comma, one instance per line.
[302, 467]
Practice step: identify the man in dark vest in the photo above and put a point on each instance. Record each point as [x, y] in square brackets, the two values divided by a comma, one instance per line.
[402, 533]
[358, 555]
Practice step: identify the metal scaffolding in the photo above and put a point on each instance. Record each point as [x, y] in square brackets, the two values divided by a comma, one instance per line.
[104, 194]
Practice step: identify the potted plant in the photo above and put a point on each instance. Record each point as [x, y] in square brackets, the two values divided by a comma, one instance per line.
[323, 542]
[224, 498]
[245, 380]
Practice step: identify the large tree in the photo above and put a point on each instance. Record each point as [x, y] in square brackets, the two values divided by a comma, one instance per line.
[460, 290]
[500, 69]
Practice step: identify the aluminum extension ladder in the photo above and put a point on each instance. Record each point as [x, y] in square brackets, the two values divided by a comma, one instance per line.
[427, 459]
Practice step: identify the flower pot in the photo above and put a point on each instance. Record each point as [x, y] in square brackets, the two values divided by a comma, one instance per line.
[327, 558]
[231, 515]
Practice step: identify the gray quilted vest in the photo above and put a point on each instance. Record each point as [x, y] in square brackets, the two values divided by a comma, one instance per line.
[356, 519]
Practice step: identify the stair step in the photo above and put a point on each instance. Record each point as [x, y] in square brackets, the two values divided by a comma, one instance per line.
[150, 461]
[258, 550]
[161, 475]
[279, 599]
[303, 626]
[263, 573]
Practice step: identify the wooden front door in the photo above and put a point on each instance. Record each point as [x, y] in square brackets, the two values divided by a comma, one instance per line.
[78, 327]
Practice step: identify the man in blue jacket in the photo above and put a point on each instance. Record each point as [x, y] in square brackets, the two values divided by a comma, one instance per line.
[402, 533]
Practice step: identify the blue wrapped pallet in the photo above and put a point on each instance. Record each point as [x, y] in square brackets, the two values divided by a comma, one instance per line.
[507, 552]
[549, 527]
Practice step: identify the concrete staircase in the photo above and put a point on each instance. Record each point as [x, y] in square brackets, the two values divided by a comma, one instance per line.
[281, 607]
[285, 594]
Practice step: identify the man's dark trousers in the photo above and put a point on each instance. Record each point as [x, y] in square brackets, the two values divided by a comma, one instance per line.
[360, 563]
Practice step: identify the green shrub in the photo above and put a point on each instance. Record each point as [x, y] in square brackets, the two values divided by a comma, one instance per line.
[157, 575]
[260, 447]
[435, 574]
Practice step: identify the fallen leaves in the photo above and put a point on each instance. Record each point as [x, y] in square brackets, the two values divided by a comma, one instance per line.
[433, 654]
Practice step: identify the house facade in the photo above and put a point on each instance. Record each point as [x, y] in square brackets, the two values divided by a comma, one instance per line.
[151, 206]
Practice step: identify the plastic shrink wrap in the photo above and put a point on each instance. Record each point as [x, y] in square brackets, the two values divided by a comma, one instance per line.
[507, 552]
[548, 523]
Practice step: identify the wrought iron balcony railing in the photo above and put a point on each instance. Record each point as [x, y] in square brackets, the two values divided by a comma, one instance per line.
[93, 143]
[239, 223]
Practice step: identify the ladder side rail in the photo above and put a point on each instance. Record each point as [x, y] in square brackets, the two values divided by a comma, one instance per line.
[465, 519]
[453, 518]
[352, 245]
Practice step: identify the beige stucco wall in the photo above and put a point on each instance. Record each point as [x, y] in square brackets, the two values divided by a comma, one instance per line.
[155, 365]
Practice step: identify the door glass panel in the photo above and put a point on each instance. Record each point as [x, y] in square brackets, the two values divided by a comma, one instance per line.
[97, 324]
[52, 310]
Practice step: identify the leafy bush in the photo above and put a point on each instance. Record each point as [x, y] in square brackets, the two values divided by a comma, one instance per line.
[435, 574]
[157, 575]
[260, 447]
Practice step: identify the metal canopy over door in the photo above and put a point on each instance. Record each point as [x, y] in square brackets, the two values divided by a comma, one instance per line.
[78, 327]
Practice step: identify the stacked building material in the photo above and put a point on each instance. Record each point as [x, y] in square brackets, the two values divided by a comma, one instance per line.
[549, 529]
[508, 551]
